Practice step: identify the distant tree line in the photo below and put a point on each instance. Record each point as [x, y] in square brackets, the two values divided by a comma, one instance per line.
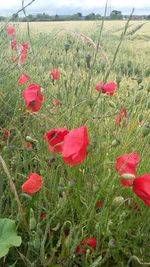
[114, 15]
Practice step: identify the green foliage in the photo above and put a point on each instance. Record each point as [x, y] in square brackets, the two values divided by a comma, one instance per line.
[8, 236]
[68, 199]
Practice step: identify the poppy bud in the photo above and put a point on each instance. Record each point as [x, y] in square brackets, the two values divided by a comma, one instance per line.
[88, 60]
[128, 176]
[141, 87]
[118, 79]
[112, 243]
[32, 221]
[50, 161]
[141, 117]
[112, 104]
[118, 201]
[78, 64]
[145, 130]
[28, 138]
[66, 46]
[139, 80]
[71, 183]
[115, 143]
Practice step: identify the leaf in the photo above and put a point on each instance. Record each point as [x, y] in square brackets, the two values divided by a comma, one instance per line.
[8, 236]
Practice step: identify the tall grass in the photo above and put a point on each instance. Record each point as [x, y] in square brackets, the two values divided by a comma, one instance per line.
[69, 195]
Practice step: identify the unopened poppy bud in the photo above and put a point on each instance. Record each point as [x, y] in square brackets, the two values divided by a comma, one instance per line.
[112, 243]
[141, 87]
[88, 61]
[66, 46]
[89, 148]
[139, 80]
[50, 161]
[28, 138]
[60, 188]
[141, 117]
[71, 183]
[95, 188]
[118, 79]
[32, 221]
[145, 130]
[112, 104]
[115, 143]
[78, 64]
[128, 176]
[118, 201]
[36, 243]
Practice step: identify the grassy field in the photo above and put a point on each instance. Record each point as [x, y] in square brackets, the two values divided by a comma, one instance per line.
[85, 200]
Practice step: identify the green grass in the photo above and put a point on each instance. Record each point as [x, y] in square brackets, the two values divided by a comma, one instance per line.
[69, 194]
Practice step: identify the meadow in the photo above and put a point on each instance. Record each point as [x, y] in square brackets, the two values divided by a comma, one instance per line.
[84, 132]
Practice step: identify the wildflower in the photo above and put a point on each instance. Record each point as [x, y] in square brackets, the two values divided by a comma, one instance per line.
[55, 138]
[141, 187]
[56, 102]
[33, 184]
[5, 134]
[24, 53]
[56, 74]
[85, 244]
[33, 97]
[11, 31]
[99, 86]
[23, 79]
[14, 44]
[99, 204]
[126, 164]
[27, 145]
[75, 146]
[122, 114]
[108, 88]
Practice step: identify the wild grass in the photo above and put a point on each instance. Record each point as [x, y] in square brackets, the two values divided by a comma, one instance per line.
[69, 195]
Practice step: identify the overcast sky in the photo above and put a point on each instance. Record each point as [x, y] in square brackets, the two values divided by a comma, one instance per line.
[72, 6]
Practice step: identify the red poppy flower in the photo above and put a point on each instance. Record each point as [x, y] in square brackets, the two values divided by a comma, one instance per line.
[55, 139]
[141, 187]
[55, 74]
[110, 88]
[56, 102]
[99, 204]
[75, 146]
[14, 59]
[14, 44]
[24, 53]
[85, 244]
[23, 79]
[99, 86]
[127, 163]
[43, 216]
[33, 184]
[123, 114]
[27, 145]
[6, 134]
[126, 183]
[11, 31]
[33, 97]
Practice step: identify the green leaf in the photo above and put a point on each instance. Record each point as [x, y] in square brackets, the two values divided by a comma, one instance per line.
[8, 236]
